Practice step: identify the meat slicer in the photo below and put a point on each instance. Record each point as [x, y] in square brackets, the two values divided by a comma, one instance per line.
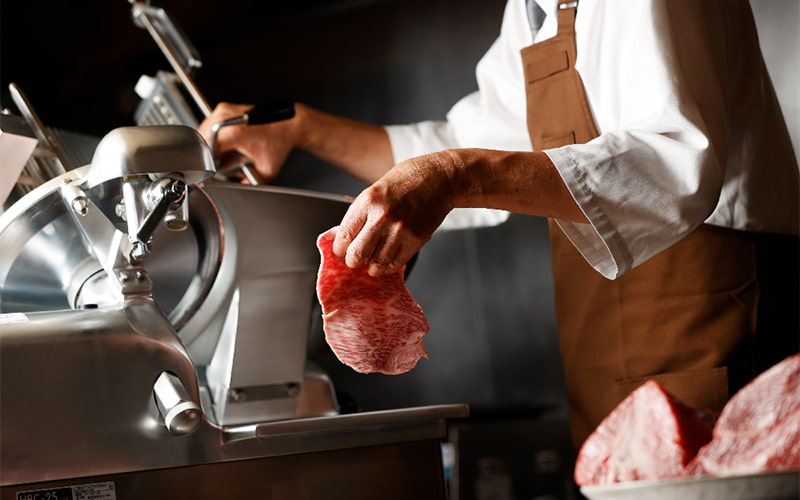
[154, 322]
[153, 325]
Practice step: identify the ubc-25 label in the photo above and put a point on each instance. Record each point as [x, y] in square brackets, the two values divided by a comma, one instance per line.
[96, 491]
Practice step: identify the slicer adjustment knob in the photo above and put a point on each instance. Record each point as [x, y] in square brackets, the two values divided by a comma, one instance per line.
[182, 416]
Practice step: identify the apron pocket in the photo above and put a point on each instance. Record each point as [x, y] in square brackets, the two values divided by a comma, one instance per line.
[549, 65]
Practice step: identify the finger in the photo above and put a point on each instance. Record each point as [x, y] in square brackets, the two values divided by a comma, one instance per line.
[363, 245]
[384, 257]
[398, 254]
[222, 112]
[348, 229]
[384, 260]
[226, 110]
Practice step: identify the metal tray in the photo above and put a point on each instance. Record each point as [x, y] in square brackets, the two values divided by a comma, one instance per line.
[771, 486]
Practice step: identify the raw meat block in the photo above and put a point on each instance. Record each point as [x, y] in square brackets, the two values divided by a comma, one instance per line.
[649, 435]
[371, 324]
[759, 429]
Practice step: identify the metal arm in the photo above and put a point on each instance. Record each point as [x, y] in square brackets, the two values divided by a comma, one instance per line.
[178, 51]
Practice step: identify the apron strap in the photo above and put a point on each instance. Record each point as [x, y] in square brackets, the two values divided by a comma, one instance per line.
[566, 16]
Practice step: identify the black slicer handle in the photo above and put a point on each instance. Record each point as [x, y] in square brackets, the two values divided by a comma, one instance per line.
[273, 111]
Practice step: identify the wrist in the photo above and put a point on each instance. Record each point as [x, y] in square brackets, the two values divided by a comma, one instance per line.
[298, 129]
[462, 169]
[313, 130]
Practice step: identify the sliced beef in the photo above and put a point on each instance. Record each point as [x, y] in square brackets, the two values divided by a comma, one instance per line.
[759, 429]
[649, 435]
[371, 324]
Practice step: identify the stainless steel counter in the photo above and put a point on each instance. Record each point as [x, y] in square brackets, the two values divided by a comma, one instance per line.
[396, 471]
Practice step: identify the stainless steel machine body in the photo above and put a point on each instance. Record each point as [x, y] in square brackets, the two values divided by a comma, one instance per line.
[154, 327]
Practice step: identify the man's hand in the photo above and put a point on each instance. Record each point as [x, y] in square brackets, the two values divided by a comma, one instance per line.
[265, 145]
[393, 218]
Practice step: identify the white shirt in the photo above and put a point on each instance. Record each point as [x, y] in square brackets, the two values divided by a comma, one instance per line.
[683, 139]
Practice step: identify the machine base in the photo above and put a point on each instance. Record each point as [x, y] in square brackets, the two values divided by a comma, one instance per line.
[396, 471]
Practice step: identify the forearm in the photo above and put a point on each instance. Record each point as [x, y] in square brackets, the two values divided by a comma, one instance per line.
[360, 149]
[392, 218]
[521, 182]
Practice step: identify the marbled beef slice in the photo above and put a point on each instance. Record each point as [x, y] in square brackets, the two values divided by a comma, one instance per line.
[371, 324]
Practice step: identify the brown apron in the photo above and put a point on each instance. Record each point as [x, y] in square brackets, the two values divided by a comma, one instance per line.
[686, 317]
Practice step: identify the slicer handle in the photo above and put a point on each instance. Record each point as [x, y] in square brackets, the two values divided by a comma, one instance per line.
[281, 109]
[274, 111]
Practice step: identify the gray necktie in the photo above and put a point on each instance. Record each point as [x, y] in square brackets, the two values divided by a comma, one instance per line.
[535, 16]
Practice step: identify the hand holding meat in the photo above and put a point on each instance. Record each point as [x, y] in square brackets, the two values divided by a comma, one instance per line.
[391, 220]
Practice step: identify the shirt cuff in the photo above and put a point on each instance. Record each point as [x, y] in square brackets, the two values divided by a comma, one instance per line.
[597, 241]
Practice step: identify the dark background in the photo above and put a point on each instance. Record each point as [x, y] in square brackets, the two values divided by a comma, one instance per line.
[487, 292]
